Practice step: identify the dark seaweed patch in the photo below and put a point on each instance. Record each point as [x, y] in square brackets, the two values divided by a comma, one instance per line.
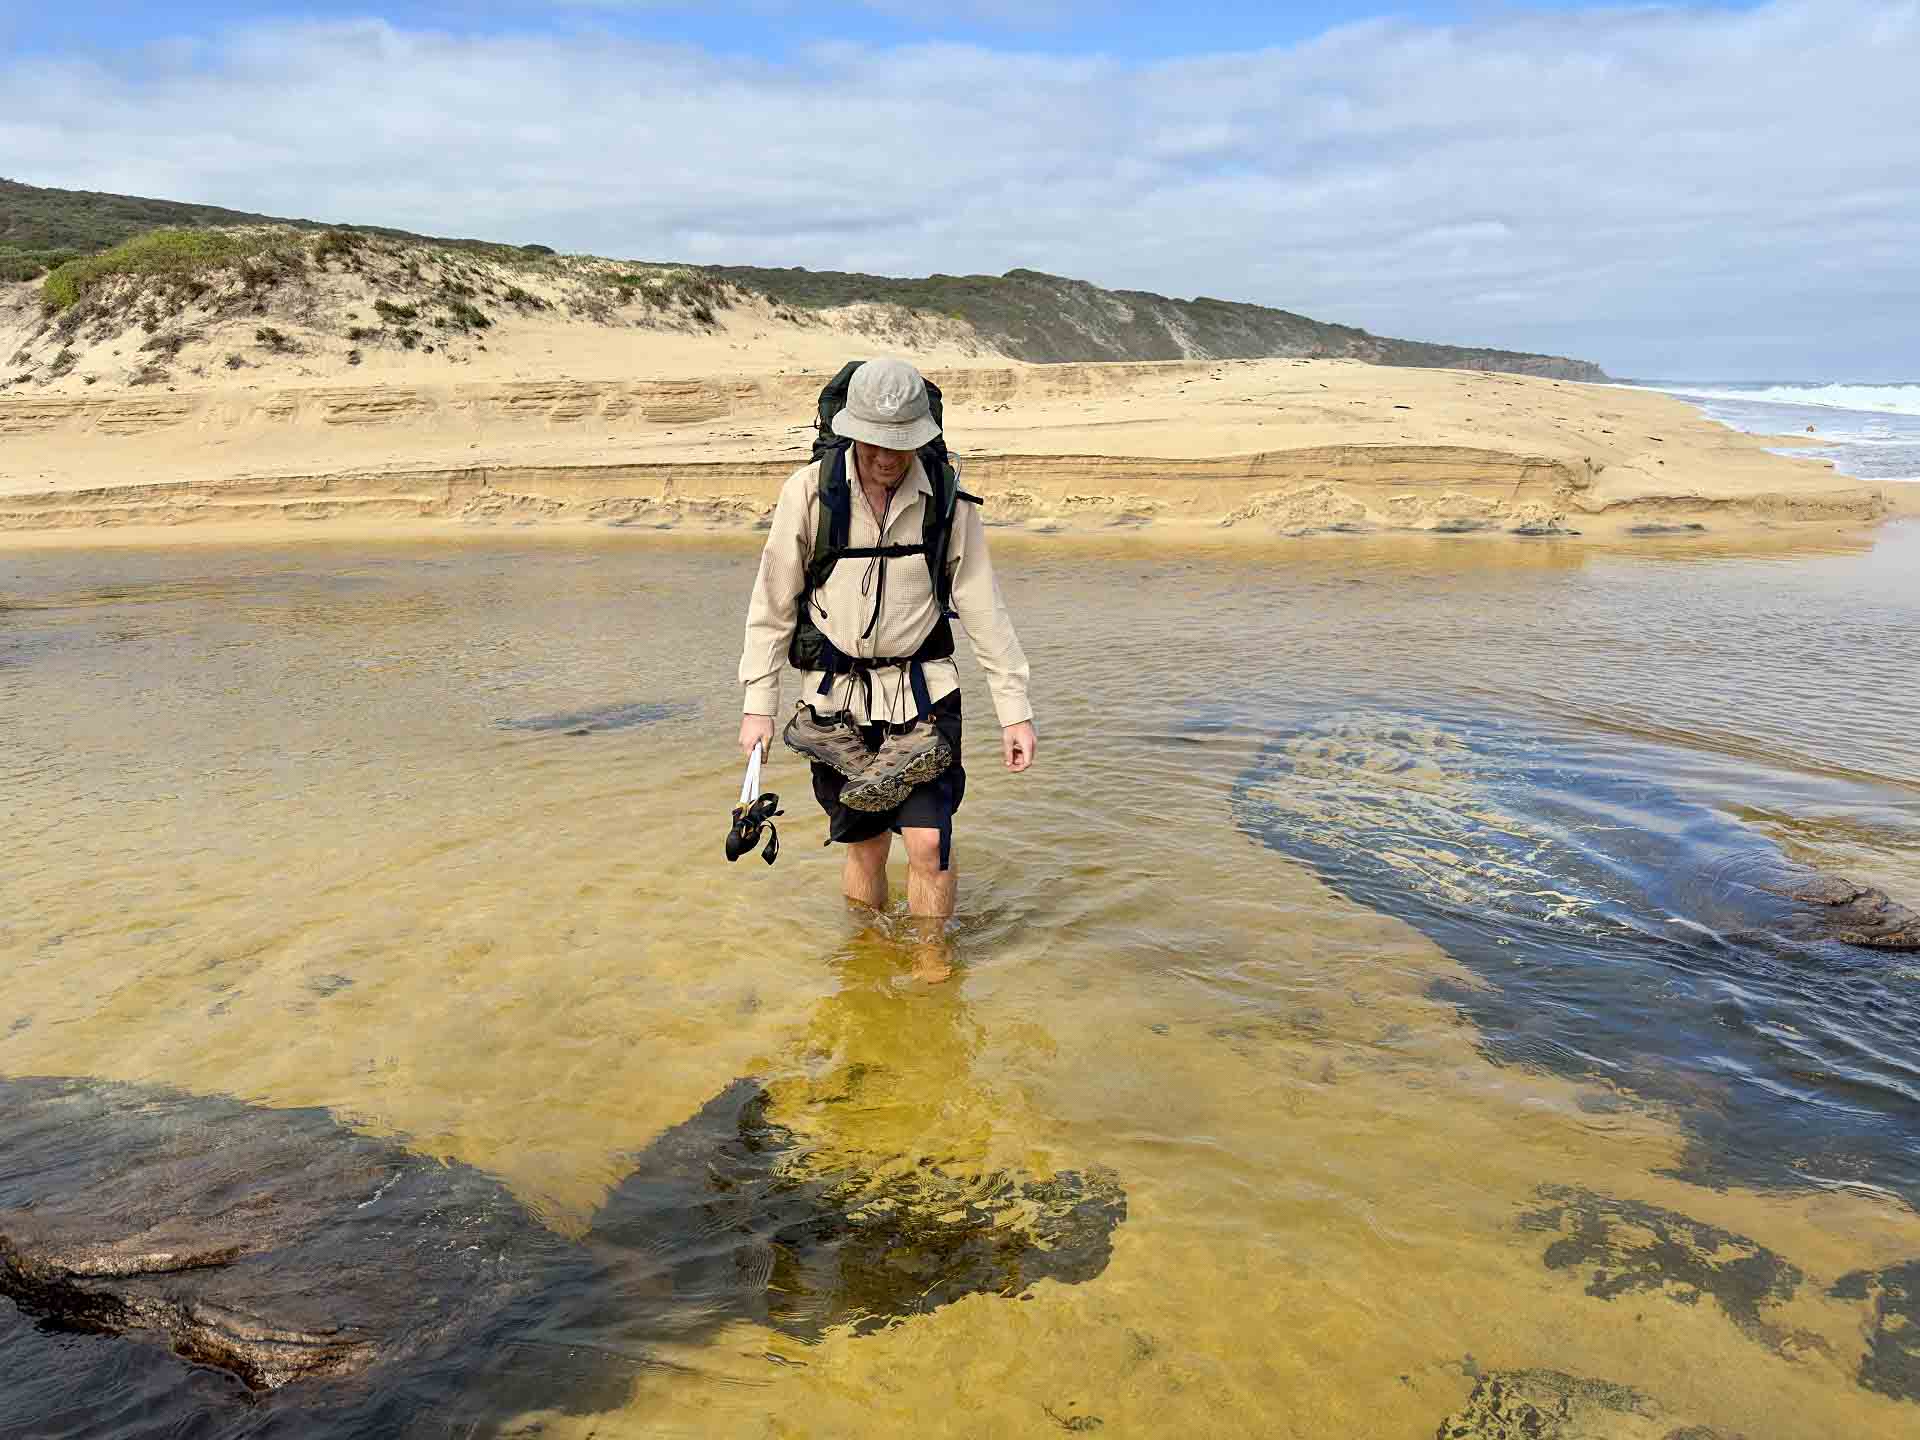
[1891, 1365]
[1551, 1405]
[1628, 1248]
[844, 1247]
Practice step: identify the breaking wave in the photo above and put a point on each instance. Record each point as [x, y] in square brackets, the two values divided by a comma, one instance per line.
[1883, 399]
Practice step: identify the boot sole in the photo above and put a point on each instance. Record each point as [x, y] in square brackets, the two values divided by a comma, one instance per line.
[883, 792]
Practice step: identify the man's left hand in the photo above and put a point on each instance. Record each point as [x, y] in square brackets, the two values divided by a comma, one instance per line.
[1017, 743]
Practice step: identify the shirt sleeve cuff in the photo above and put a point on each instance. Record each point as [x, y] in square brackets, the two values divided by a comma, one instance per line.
[1012, 710]
[762, 698]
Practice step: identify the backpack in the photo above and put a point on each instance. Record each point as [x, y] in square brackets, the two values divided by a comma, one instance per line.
[810, 649]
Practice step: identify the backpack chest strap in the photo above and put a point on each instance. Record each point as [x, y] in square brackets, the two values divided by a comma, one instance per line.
[884, 552]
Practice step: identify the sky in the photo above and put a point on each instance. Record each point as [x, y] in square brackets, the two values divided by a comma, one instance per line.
[1671, 190]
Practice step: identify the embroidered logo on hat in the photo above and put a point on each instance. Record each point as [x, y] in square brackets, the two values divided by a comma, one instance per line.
[887, 406]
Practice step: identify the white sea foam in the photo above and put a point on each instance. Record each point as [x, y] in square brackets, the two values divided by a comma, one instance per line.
[1871, 432]
[1883, 399]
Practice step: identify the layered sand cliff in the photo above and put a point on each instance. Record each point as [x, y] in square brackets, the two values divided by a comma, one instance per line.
[676, 422]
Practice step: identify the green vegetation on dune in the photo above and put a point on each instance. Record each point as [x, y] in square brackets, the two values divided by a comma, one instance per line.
[85, 221]
[41, 229]
[179, 258]
[31, 264]
[46, 230]
[83, 241]
[187, 291]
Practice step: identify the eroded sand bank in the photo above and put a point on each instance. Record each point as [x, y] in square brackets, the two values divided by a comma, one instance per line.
[1266, 446]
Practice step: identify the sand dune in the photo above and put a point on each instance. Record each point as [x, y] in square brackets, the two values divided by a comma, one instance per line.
[697, 431]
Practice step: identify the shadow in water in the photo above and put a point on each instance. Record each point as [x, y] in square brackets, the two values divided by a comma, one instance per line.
[1626, 935]
[185, 1265]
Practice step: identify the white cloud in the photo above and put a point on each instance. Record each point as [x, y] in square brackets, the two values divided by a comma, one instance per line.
[1667, 191]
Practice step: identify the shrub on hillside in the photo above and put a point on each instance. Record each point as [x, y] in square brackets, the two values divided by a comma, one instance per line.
[183, 259]
[31, 264]
[466, 317]
[396, 314]
[337, 245]
[269, 268]
[695, 291]
[169, 345]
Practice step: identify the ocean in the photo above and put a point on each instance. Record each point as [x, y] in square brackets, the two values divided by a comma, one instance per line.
[1872, 431]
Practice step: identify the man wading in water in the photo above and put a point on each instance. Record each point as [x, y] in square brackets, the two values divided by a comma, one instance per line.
[870, 546]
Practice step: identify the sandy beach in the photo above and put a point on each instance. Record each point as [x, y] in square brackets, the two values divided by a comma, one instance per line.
[564, 422]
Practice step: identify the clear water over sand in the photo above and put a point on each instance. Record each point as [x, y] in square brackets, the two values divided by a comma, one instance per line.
[429, 834]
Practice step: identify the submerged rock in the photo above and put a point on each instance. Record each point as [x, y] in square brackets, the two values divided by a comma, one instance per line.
[1854, 914]
[1627, 935]
[355, 1287]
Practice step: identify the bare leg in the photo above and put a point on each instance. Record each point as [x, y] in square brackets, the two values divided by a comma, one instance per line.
[930, 897]
[864, 877]
[930, 890]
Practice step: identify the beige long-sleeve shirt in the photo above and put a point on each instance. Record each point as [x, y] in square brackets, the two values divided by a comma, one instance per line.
[908, 613]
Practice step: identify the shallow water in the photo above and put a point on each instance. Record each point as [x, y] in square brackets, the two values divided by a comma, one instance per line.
[1372, 918]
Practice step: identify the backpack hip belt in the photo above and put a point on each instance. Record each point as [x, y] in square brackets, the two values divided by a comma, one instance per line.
[834, 663]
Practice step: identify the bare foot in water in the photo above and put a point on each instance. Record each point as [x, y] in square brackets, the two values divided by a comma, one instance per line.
[932, 950]
[933, 964]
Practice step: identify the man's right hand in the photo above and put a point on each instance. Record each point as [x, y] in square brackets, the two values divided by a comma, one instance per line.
[756, 732]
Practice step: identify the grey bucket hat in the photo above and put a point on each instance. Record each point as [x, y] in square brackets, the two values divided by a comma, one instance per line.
[887, 406]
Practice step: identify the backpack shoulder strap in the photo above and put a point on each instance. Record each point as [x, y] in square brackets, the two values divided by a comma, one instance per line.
[833, 514]
[941, 506]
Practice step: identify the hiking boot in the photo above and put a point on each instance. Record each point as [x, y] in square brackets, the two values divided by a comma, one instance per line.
[835, 743]
[906, 758]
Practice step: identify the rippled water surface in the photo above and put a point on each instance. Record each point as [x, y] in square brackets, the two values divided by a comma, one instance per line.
[1382, 982]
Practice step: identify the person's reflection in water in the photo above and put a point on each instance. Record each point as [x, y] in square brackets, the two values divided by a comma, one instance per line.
[886, 1064]
[933, 1170]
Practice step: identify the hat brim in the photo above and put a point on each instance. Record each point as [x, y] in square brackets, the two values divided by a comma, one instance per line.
[907, 435]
